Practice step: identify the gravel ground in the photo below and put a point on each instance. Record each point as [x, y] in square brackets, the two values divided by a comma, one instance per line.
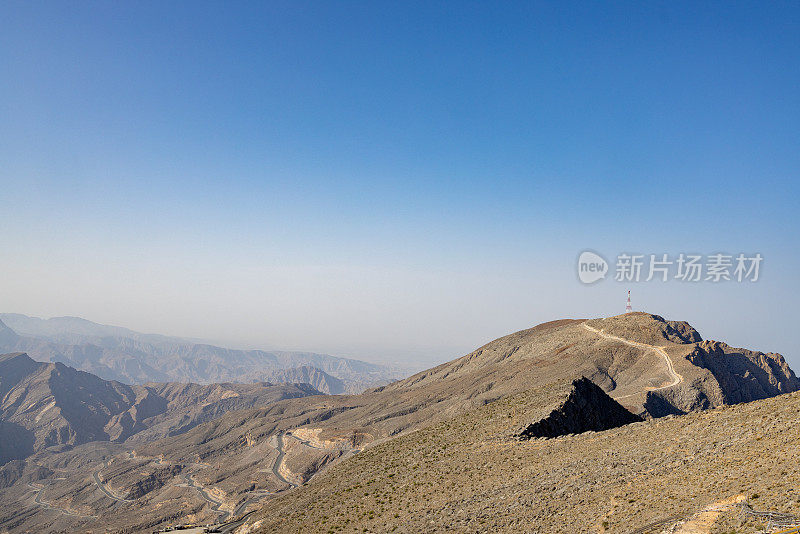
[470, 475]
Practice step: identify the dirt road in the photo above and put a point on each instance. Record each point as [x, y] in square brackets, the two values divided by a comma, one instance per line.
[676, 378]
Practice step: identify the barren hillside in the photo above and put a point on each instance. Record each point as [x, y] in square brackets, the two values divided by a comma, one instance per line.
[484, 401]
[470, 474]
[49, 404]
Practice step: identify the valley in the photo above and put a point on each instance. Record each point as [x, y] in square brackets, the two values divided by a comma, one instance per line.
[399, 267]
[652, 410]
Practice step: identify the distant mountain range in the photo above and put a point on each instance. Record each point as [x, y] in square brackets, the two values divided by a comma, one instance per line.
[107, 456]
[48, 404]
[115, 353]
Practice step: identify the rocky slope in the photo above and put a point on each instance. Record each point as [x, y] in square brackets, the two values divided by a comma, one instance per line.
[47, 404]
[648, 365]
[469, 474]
[577, 407]
[7, 335]
[306, 374]
[712, 373]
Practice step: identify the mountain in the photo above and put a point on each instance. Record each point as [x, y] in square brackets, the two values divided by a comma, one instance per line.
[725, 470]
[653, 366]
[48, 404]
[536, 425]
[115, 353]
[318, 379]
[76, 330]
[7, 336]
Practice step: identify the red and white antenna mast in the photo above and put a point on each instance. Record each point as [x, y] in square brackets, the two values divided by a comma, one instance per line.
[628, 308]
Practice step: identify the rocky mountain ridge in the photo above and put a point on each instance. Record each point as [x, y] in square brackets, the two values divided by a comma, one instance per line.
[316, 378]
[115, 353]
[251, 457]
[48, 404]
[579, 407]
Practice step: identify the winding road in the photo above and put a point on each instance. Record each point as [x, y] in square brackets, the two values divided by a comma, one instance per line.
[223, 520]
[223, 515]
[227, 521]
[44, 504]
[105, 489]
[276, 466]
[233, 525]
[676, 378]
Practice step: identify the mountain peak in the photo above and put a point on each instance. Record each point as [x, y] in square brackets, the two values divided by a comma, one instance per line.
[308, 374]
[15, 357]
[647, 328]
[6, 334]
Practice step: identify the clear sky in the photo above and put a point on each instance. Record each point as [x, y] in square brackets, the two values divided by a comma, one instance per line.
[395, 181]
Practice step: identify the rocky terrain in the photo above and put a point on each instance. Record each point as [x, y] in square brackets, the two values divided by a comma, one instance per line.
[710, 373]
[441, 450]
[579, 407]
[318, 379]
[679, 474]
[115, 353]
[48, 404]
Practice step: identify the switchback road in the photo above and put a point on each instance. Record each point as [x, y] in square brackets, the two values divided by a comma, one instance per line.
[223, 515]
[676, 378]
[276, 467]
[44, 504]
[105, 489]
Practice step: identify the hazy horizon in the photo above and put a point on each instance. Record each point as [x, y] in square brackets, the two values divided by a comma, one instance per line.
[416, 358]
[395, 183]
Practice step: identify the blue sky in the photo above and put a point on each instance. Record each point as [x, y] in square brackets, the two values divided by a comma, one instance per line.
[398, 182]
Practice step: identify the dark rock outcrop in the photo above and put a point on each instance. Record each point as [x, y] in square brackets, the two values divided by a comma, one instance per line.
[586, 407]
[744, 375]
